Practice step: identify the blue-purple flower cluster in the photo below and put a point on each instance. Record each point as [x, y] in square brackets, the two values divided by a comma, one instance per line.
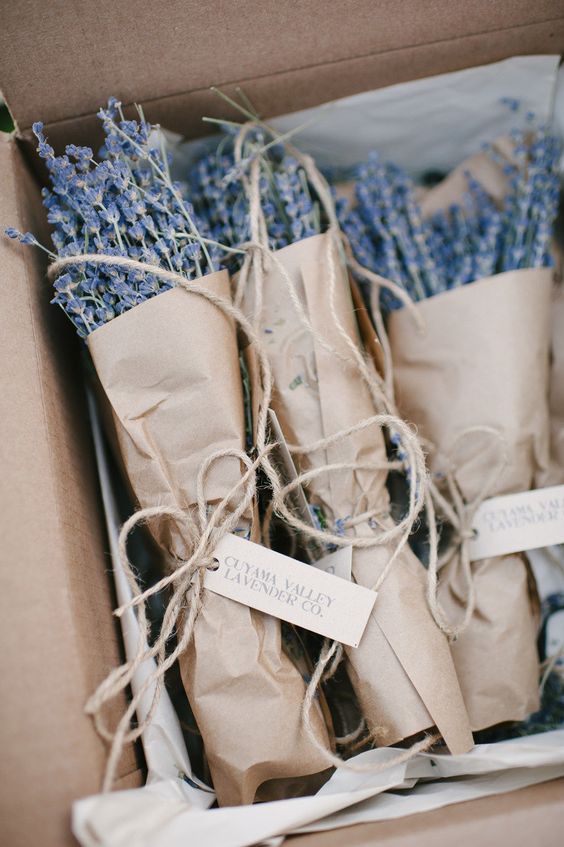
[532, 200]
[217, 186]
[468, 241]
[465, 240]
[386, 230]
[124, 204]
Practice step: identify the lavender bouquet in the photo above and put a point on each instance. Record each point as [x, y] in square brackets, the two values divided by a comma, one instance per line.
[289, 207]
[467, 240]
[258, 193]
[124, 205]
[138, 275]
[475, 384]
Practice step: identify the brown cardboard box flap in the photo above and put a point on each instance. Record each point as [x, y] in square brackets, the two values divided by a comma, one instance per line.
[58, 637]
[62, 60]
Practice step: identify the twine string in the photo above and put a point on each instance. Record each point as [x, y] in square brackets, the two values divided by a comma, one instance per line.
[188, 583]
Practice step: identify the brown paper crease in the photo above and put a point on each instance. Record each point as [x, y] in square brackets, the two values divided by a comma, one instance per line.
[482, 361]
[170, 369]
[554, 475]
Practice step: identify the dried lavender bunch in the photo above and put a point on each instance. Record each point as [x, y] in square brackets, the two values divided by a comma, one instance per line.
[122, 204]
[291, 213]
[532, 202]
[470, 240]
[387, 232]
[465, 239]
[517, 235]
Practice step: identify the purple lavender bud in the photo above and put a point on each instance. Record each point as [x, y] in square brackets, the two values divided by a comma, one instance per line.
[124, 204]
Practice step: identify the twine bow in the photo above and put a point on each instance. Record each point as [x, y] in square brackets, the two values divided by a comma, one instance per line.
[460, 515]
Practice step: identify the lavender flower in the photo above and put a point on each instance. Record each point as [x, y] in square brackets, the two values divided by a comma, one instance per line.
[468, 241]
[22, 237]
[532, 202]
[289, 210]
[387, 232]
[123, 204]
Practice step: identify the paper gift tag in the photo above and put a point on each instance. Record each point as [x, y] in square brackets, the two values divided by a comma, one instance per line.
[518, 522]
[292, 591]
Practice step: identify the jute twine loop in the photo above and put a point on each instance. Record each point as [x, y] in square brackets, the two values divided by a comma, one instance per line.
[399, 531]
[460, 514]
[186, 581]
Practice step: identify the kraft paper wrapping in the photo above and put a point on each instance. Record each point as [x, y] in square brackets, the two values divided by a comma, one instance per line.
[482, 361]
[170, 369]
[490, 174]
[555, 473]
[402, 671]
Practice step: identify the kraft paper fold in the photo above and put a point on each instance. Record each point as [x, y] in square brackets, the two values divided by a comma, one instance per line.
[170, 369]
[402, 671]
[482, 361]
[555, 473]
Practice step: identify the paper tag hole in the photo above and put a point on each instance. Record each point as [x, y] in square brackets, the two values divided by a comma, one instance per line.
[214, 566]
[475, 534]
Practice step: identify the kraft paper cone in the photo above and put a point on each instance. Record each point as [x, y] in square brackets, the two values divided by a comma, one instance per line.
[402, 671]
[491, 176]
[482, 361]
[170, 369]
[554, 475]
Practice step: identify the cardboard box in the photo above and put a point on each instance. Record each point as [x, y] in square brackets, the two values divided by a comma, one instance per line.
[59, 63]
[59, 638]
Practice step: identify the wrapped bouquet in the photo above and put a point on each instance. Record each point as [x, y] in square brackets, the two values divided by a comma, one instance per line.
[133, 269]
[333, 410]
[474, 380]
